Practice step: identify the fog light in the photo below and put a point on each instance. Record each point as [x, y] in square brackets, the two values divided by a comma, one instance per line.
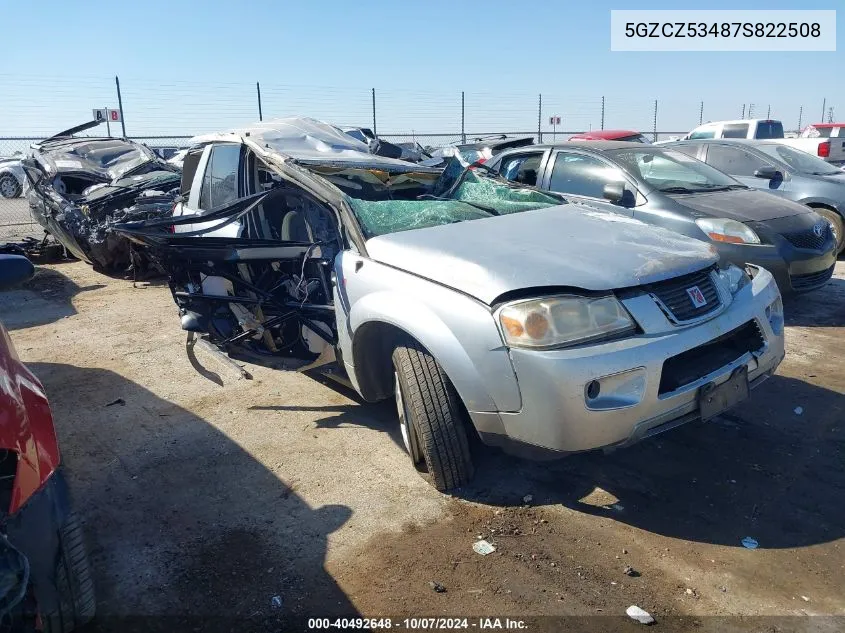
[616, 391]
[774, 313]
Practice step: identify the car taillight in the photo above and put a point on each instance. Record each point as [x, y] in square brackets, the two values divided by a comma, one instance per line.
[824, 149]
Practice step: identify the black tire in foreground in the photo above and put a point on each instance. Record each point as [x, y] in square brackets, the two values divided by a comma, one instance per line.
[434, 415]
[73, 579]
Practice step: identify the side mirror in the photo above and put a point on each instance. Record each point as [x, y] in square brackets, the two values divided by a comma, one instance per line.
[768, 173]
[14, 269]
[616, 193]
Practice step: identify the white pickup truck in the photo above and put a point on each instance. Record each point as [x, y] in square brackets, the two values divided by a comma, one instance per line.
[825, 140]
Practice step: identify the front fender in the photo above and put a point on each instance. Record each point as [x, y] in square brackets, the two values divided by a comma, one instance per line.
[458, 331]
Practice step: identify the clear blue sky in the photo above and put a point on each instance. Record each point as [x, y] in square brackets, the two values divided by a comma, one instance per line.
[189, 67]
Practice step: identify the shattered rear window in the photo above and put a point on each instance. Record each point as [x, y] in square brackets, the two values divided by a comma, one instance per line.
[469, 201]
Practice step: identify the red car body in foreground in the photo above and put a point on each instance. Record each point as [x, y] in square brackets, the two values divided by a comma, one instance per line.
[610, 135]
[41, 544]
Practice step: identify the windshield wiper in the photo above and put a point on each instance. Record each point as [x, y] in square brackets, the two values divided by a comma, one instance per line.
[482, 207]
[678, 190]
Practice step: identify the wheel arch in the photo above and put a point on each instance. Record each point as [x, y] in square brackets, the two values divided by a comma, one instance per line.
[380, 325]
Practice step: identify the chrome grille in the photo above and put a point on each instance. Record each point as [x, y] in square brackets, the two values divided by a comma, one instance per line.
[808, 239]
[673, 298]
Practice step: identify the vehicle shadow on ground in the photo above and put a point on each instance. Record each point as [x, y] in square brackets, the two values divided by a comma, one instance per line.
[188, 531]
[379, 416]
[762, 471]
[45, 298]
[824, 307]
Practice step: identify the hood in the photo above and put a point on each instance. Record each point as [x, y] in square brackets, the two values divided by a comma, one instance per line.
[838, 179]
[567, 245]
[745, 205]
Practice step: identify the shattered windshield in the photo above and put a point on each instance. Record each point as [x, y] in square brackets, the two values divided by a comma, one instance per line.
[471, 196]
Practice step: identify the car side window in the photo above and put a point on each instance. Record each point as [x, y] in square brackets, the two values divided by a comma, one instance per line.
[688, 149]
[733, 160]
[735, 130]
[220, 181]
[522, 168]
[708, 133]
[582, 175]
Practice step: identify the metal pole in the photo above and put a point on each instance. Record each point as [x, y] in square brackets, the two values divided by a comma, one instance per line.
[108, 125]
[375, 131]
[769, 113]
[655, 120]
[701, 113]
[800, 116]
[258, 90]
[602, 113]
[824, 107]
[540, 120]
[463, 133]
[750, 110]
[743, 111]
[120, 106]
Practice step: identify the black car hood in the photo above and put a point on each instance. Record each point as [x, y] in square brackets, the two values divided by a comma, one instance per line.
[745, 205]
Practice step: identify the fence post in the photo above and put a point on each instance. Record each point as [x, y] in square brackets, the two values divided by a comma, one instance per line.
[540, 120]
[375, 130]
[258, 90]
[602, 113]
[800, 116]
[463, 133]
[120, 106]
[655, 121]
[701, 113]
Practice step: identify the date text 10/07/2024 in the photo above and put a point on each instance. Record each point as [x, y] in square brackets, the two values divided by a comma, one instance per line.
[417, 624]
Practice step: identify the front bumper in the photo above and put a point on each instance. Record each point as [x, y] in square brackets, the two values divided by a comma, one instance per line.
[555, 414]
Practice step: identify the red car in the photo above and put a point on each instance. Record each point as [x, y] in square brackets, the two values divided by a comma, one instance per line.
[45, 577]
[631, 136]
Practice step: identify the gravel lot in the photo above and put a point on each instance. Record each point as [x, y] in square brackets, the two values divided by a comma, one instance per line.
[204, 503]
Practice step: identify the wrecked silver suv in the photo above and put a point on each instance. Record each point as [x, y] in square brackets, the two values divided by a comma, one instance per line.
[479, 305]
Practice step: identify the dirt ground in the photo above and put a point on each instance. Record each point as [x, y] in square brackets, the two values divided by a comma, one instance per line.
[256, 503]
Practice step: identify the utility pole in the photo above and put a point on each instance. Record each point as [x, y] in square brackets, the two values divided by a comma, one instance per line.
[700, 113]
[463, 133]
[258, 89]
[800, 116]
[602, 113]
[743, 111]
[540, 120]
[655, 121]
[375, 131]
[120, 106]
[750, 110]
[108, 125]
[769, 113]
[824, 108]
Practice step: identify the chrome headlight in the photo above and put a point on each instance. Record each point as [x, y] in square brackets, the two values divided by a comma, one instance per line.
[725, 230]
[734, 278]
[563, 320]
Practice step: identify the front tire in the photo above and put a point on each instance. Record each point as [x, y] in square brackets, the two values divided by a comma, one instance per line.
[10, 187]
[77, 603]
[432, 417]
